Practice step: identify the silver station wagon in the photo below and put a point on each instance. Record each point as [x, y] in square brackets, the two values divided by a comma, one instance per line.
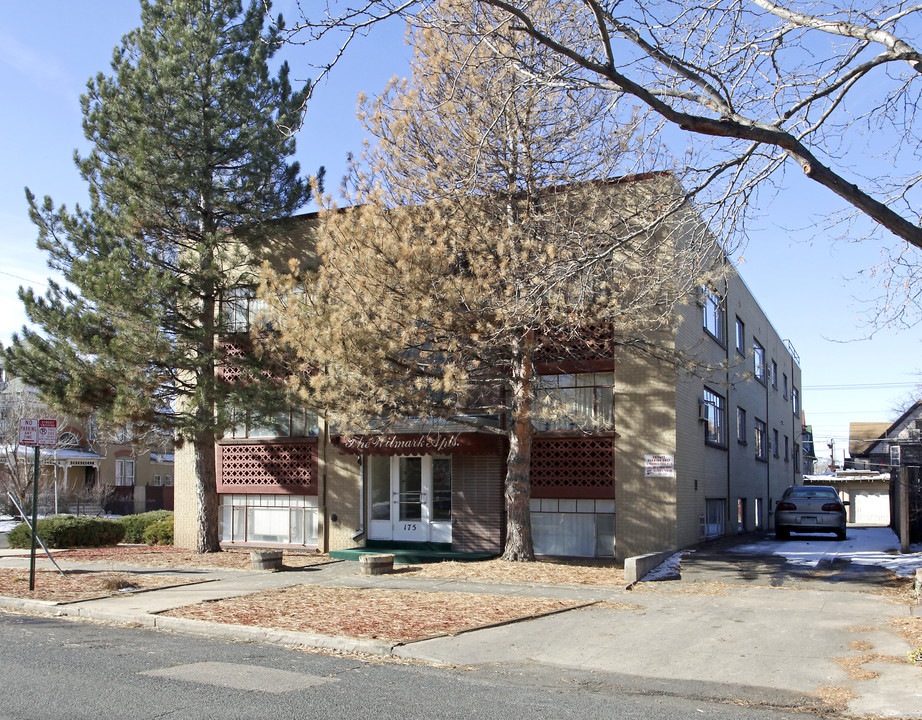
[810, 509]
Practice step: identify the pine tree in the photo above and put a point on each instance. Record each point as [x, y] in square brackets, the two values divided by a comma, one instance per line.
[189, 162]
[485, 237]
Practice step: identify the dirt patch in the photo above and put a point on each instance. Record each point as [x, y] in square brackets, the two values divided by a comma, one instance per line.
[836, 697]
[50, 585]
[374, 614]
[172, 557]
[548, 573]
[860, 645]
[854, 665]
[909, 628]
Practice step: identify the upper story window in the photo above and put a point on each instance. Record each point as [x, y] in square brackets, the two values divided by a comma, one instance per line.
[241, 309]
[713, 312]
[582, 401]
[760, 440]
[715, 416]
[775, 447]
[296, 422]
[795, 400]
[740, 337]
[741, 435]
[784, 386]
[774, 374]
[758, 356]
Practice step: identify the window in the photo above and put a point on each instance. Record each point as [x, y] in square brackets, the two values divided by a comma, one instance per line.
[757, 516]
[713, 313]
[740, 337]
[296, 422]
[741, 515]
[168, 480]
[761, 451]
[784, 386]
[715, 427]
[124, 472]
[715, 512]
[758, 356]
[775, 448]
[741, 425]
[156, 481]
[796, 456]
[774, 372]
[787, 448]
[795, 400]
[571, 402]
[241, 309]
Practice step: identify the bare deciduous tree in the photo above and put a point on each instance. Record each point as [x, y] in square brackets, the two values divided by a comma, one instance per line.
[830, 85]
[487, 236]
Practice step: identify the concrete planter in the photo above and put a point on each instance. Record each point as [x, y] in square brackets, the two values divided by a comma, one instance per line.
[266, 559]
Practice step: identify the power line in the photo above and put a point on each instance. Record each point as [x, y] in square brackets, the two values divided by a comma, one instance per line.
[24, 279]
[863, 386]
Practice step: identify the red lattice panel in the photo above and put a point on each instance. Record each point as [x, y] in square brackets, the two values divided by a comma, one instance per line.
[573, 467]
[268, 467]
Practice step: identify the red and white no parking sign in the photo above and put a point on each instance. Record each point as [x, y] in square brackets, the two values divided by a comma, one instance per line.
[38, 432]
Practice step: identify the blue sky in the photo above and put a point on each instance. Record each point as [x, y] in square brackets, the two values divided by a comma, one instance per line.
[807, 284]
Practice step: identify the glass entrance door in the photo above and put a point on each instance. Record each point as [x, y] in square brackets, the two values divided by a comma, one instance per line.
[409, 498]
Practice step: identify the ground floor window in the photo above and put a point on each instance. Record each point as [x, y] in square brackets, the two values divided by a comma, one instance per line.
[570, 527]
[275, 519]
[715, 517]
[758, 514]
[741, 515]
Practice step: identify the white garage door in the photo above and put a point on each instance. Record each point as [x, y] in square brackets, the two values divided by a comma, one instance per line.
[871, 507]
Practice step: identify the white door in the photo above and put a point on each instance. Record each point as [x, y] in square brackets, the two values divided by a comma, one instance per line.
[871, 507]
[410, 498]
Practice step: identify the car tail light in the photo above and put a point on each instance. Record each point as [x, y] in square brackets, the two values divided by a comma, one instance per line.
[833, 507]
[786, 506]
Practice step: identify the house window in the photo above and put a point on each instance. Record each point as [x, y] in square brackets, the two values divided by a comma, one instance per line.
[156, 481]
[784, 386]
[796, 455]
[576, 402]
[740, 337]
[758, 356]
[741, 515]
[774, 371]
[124, 472]
[715, 426]
[241, 309]
[757, 516]
[741, 425]
[715, 515]
[761, 450]
[787, 448]
[168, 480]
[795, 400]
[775, 448]
[713, 312]
[276, 519]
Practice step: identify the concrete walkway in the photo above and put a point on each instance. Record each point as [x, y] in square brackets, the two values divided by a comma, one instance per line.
[762, 644]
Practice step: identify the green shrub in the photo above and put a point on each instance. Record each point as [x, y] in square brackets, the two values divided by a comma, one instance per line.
[159, 533]
[136, 525]
[67, 531]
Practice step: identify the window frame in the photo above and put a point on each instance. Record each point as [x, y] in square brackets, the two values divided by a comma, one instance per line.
[758, 359]
[740, 336]
[713, 314]
[773, 369]
[602, 386]
[775, 443]
[795, 400]
[741, 426]
[715, 426]
[760, 436]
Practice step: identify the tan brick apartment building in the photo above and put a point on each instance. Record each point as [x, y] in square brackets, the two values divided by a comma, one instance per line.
[671, 458]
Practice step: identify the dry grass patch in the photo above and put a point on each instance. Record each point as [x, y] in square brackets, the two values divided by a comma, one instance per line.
[547, 573]
[854, 665]
[836, 697]
[172, 557]
[374, 614]
[50, 585]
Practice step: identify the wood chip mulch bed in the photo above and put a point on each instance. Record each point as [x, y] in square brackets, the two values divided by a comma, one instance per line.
[172, 557]
[548, 573]
[374, 614]
[50, 585]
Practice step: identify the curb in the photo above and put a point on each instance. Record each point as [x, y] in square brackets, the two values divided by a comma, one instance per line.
[245, 633]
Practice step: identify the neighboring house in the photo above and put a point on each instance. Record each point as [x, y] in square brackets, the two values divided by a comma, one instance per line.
[84, 469]
[663, 459]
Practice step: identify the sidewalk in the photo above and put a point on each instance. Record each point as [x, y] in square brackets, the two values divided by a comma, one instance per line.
[778, 646]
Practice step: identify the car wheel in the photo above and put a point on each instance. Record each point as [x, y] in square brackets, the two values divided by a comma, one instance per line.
[840, 534]
[782, 534]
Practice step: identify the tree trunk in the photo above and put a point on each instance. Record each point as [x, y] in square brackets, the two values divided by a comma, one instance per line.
[519, 545]
[206, 494]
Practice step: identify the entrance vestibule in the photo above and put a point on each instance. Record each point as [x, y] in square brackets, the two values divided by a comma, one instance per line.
[409, 498]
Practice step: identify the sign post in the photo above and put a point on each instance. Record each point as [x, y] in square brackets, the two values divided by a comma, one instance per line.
[36, 433]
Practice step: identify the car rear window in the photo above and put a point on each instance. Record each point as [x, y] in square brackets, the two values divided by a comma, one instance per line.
[811, 492]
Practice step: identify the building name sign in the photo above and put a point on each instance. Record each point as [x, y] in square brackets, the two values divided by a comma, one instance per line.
[659, 465]
[401, 445]
[38, 432]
